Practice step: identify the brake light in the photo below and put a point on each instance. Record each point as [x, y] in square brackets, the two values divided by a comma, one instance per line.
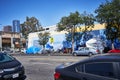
[57, 75]
[97, 50]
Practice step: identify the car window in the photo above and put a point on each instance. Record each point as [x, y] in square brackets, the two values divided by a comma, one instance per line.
[102, 69]
[81, 49]
[5, 58]
[86, 48]
[79, 68]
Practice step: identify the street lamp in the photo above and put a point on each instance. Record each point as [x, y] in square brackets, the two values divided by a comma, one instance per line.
[1, 40]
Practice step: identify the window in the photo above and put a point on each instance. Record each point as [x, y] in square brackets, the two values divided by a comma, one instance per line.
[5, 58]
[81, 49]
[47, 28]
[102, 69]
[86, 48]
[79, 68]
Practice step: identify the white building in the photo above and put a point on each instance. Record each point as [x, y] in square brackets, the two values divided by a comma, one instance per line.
[58, 37]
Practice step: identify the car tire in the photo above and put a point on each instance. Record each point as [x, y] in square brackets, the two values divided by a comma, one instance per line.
[74, 54]
[90, 54]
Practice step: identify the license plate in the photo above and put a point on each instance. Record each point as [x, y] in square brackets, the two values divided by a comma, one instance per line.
[15, 75]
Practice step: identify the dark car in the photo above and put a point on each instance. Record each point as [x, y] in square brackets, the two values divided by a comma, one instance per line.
[10, 68]
[99, 67]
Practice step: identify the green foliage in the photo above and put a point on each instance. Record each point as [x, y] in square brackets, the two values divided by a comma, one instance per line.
[88, 20]
[109, 13]
[43, 38]
[67, 23]
[30, 25]
[74, 20]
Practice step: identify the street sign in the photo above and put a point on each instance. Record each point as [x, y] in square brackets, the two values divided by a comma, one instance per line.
[51, 40]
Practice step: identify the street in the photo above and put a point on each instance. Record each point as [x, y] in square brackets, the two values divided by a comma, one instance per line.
[42, 67]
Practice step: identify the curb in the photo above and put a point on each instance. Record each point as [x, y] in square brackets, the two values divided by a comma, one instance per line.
[56, 54]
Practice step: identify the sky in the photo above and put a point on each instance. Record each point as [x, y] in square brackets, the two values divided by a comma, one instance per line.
[48, 12]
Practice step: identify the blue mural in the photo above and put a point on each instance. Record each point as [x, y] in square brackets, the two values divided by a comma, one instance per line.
[60, 41]
[96, 33]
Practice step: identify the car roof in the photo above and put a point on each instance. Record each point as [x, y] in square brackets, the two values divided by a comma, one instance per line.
[113, 57]
[85, 47]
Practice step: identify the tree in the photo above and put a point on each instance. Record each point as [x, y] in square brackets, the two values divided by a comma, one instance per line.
[69, 23]
[109, 13]
[88, 22]
[30, 25]
[73, 21]
[43, 38]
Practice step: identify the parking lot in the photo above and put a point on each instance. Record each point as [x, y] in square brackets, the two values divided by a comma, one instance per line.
[42, 67]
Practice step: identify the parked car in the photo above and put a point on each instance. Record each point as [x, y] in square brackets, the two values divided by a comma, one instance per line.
[114, 51]
[7, 50]
[11, 68]
[86, 51]
[23, 50]
[99, 67]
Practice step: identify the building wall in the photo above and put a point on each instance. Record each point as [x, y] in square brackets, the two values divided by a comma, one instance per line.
[7, 28]
[96, 27]
[7, 39]
[58, 37]
[60, 41]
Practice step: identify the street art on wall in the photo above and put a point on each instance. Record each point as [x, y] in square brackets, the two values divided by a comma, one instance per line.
[58, 41]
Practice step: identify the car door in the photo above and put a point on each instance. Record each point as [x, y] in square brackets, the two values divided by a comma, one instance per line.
[97, 71]
[81, 51]
[86, 51]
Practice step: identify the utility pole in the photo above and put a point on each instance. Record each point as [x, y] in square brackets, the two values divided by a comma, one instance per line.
[1, 40]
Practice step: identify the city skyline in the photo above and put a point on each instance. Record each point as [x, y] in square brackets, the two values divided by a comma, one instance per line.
[48, 12]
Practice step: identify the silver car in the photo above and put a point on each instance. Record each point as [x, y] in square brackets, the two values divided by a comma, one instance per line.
[86, 51]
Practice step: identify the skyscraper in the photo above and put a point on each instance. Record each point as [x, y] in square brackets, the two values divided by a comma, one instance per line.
[16, 26]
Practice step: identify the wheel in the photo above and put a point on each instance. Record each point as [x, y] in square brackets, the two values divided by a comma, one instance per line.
[74, 54]
[90, 54]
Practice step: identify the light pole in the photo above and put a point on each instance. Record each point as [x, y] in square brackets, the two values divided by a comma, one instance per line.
[1, 40]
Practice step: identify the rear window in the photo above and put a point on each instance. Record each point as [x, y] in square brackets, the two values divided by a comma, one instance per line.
[5, 58]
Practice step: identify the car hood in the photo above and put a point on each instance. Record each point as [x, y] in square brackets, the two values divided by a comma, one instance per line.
[9, 64]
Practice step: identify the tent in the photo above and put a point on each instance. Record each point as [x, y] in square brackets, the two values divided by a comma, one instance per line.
[33, 50]
[96, 43]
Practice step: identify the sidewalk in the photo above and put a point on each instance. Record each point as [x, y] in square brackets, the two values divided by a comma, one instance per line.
[50, 54]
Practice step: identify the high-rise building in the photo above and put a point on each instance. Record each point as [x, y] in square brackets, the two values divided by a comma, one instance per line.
[16, 26]
[7, 28]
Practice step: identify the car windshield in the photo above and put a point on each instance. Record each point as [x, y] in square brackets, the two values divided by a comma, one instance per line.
[5, 57]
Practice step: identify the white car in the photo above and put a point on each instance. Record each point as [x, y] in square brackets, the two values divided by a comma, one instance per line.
[23, 50]
[86, 51]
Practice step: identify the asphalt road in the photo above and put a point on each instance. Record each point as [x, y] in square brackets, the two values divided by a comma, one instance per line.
[42, 67]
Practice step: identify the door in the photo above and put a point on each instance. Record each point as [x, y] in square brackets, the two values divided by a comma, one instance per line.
[99, 71]
[81, 51]
[86, 51]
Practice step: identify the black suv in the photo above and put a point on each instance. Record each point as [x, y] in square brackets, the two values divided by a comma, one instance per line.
[10, 68]
[101, 67]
